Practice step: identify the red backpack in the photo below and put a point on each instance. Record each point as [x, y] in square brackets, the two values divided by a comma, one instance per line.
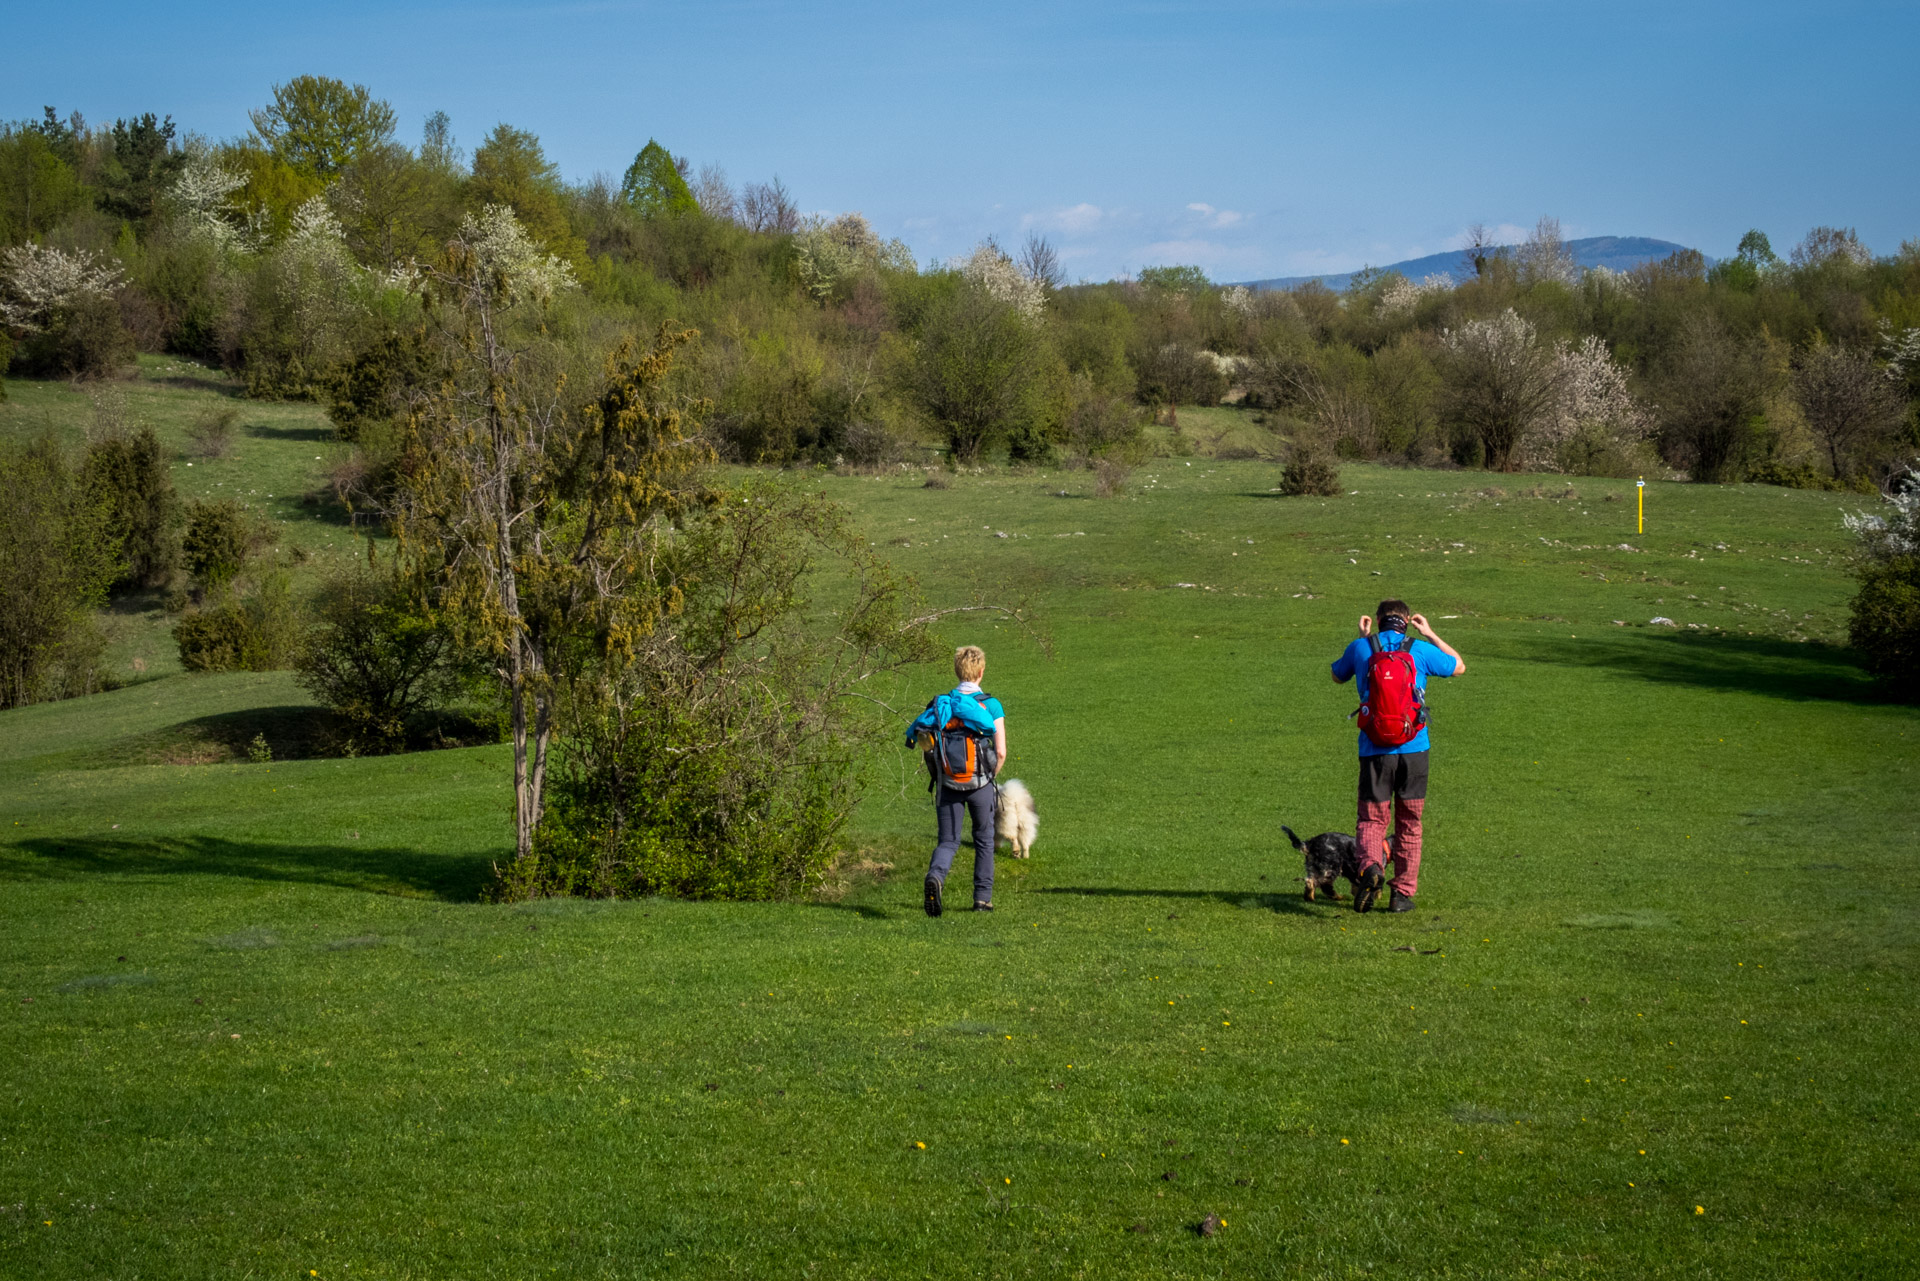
[1395, 710]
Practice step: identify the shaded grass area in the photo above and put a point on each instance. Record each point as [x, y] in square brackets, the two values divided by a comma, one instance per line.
[254, 1018]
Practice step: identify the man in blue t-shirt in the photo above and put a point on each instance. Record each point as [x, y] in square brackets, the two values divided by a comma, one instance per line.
[1393, 777]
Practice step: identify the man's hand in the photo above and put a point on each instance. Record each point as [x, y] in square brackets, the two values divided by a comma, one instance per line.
[1425, 628]
[1366, 624]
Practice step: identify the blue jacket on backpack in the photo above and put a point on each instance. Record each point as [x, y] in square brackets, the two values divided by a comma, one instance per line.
[973, 711]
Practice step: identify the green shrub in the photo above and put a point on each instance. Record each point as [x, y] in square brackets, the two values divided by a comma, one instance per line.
[129, 474]
[1885, 626]
[218, 540]
[57, 555]
[376, 659]
[83, 338]
[211, 432]
[1310, 472]
[977, 373]
[1171, 374]
[258, 632]
[374, 388]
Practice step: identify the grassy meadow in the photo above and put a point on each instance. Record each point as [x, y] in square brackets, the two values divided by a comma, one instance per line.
[1650, 1019]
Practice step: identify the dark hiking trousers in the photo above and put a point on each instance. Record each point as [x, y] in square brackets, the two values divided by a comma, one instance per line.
[948, 807]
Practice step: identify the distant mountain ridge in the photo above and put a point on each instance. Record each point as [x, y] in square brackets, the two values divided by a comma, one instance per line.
[1617, 253]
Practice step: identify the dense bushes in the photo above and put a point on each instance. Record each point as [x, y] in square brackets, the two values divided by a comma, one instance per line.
[293, 256]
[376, 658]
[1885, 624]
[218, 540]
[256, 630]
[57, 555]
[126, 473]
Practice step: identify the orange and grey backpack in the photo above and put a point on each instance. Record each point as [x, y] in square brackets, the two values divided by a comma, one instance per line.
[956, 734]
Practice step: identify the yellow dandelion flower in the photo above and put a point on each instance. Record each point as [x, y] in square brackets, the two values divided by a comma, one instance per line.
[920, 1145]
[1343, 1140]
[1009, 1180]
[1699, 1209]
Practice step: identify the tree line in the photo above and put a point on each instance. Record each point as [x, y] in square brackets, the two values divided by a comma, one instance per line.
[287, 255]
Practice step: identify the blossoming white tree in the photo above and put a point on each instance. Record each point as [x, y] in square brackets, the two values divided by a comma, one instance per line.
[1403, 295]
[200, 197]
[1503, 384]
[37, 282]
[1596, 414]
[989, 269]
[1545, 255]
[831, 253]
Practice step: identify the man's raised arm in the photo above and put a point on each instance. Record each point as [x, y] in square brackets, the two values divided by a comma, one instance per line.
[1426, 630]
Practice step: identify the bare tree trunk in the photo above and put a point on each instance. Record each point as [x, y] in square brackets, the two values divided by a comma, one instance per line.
[523, 817]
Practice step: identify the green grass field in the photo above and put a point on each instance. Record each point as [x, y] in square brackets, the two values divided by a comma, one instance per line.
[1649, 1020]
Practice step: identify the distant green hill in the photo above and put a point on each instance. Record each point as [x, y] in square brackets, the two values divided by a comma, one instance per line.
[1618, 253]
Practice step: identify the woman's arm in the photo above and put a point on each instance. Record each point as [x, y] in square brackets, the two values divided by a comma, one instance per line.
[999, 745]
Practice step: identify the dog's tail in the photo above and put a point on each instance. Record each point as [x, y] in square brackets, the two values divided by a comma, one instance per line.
[1297, 842]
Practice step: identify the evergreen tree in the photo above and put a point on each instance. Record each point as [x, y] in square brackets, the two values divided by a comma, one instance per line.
[654, 184]
[128, 474]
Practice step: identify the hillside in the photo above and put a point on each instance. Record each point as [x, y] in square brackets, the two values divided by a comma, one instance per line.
[1616, 253]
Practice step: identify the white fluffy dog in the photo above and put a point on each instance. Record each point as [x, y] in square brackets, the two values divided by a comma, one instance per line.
[1016, 821]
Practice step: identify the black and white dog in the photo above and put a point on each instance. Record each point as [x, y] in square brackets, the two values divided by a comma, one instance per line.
[1329, 856]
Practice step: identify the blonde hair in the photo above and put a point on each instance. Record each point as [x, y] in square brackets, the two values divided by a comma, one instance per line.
[969, 662]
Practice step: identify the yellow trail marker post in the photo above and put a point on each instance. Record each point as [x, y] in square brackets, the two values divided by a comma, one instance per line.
[1640, 488]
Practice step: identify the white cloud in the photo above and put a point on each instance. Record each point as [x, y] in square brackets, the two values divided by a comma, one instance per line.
[1216, 217]
[1075, 218]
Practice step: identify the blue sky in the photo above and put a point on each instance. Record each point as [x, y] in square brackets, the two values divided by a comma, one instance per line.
[1252, 139]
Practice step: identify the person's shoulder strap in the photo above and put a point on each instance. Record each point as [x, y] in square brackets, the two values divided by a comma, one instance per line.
[1373, 643]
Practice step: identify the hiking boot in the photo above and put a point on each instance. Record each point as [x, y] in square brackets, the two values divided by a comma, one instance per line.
[1400, 902]
[933, 896]
[979, 906]
[1368, 889]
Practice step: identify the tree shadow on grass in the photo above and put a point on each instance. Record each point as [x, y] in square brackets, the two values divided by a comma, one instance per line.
[1803, 671]
[315, 435]
[1291, 904]
[456, 878]
[289, 733]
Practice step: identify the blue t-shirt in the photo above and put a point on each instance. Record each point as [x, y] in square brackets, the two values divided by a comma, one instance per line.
[1428, 660]
[967, 689]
